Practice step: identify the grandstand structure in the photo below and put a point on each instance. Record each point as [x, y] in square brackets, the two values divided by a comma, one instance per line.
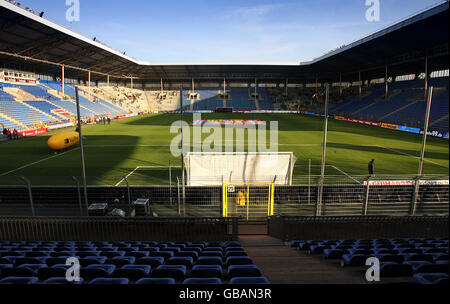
[373, 78]
[198, 233]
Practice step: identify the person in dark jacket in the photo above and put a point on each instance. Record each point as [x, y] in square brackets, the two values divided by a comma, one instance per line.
[371, 166]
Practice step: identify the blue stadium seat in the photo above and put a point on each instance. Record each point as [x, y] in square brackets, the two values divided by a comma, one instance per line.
[177, 272]
[392, 269]
[354, 260]
[334, 253]
[114, 281]
[155, 281]
[245, 260]
[119, 261]
[235, 253]
[206, 253]
[207, 271]
[19, 280]
[431, 278]
[89, 260]
[183, 253]
[57, 270]
[133, 272]
[186, 261]
[111, 254]
[62, 280]
[97, 270]
[243, 271]
[162, 253]
[249, 281]
[209, 260]
[138, 254]
[202, 281]
[154, 262]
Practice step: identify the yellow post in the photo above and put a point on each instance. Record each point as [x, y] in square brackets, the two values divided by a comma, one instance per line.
[248, 202]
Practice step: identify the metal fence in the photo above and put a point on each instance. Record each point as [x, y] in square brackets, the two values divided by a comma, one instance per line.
[309, 196]
[357, 227]
[117, 229]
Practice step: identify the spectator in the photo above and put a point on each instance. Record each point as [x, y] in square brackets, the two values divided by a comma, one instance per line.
[5, 131]
[371, 167]
[109, 121]
[15, 134]
[9, 134]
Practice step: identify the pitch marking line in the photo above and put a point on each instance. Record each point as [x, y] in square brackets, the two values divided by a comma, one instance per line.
[37, 162]
[139, 167]
[346, 174]
[404, 153]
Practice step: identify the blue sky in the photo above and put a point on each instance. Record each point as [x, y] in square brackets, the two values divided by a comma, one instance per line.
[234, 31]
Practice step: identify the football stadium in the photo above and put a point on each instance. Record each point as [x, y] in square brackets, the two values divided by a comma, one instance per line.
[119, 171]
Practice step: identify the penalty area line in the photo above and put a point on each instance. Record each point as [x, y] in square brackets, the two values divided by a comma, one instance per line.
[37, 162]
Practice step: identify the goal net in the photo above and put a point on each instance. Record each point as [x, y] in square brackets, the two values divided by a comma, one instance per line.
[217, 168]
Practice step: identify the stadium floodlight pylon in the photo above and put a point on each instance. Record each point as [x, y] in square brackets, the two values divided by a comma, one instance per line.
[252, 201]
[217, 168]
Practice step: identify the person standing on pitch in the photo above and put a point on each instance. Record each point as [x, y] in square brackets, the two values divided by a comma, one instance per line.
[371, 166]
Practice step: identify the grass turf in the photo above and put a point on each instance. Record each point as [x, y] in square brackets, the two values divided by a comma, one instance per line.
[113, 151]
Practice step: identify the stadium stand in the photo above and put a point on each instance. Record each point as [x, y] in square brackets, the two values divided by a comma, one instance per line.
[405, 105]
[125, 262]
[424, 259]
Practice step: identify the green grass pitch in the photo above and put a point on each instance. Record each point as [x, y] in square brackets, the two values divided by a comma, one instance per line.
[115, 150]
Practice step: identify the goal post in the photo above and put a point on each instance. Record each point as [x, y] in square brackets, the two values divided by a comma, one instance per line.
[217, 168]
[248, 200]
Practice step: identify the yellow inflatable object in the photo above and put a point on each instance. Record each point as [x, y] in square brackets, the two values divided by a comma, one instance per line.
[63, 140]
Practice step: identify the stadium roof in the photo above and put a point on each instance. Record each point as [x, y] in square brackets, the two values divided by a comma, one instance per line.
[28, 41]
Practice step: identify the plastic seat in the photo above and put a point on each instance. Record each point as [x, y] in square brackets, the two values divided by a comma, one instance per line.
[138, 254]
[209, 261]
[163, 253]
[115, 281]
[237, 253]
[111, 254]
[215, 244]
[250, 281]
[186, 261]
[121, 260]
[354, 259]
[176, 272]
[238, 261]
[154, 262]
[97, 270]
[62, 280]
[431, 278]
[155, 281]
[202, 281]
[390, 258]
[427, 267]
[133, 272]
[391, 269]
[207, 271]
[83, 254]
[89, 260]
[418, 257]
[24, 270]
[19, 280]
[211, 254]
[243, 271]
[183, 253]
[334, 253]
[58, 270]
[34, 260]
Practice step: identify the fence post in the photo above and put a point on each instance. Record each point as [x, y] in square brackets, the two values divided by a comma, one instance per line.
[309, 181]
[366, 197]
[29, 194]
[178, 190]
[170, 183]
[129, 196]
[415, 194]
[319, 197]
[235, 229]
[79, 194]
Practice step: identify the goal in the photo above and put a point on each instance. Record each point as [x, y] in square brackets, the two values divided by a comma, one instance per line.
[217, 168]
